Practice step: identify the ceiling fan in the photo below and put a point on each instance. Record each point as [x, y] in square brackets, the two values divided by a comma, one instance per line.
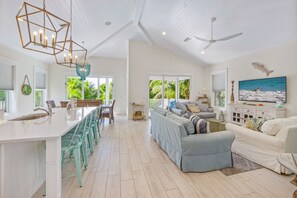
[212, 40]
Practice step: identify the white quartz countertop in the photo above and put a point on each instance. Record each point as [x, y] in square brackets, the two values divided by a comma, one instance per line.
[42, 128]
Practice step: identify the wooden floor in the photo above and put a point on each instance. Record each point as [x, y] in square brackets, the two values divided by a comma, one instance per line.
[128, 163]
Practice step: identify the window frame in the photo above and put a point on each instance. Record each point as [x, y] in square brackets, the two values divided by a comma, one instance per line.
[213, 96]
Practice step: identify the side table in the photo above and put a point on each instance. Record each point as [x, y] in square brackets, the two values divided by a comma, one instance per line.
[216, 125]
[138, 111]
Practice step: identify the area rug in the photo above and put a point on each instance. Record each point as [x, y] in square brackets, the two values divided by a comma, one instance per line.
[240, 165]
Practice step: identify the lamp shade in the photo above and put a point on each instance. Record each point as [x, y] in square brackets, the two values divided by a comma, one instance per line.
[83, 70]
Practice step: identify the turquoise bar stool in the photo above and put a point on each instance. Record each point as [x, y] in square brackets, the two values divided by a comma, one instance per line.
[73, 145]
[99, 120]
[89, 132]
[95, 126]
[81, 134]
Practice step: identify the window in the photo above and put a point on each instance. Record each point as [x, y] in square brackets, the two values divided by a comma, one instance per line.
[165, 89]
[40, 90]
[219, 88]
[94, 88]
[184, 88]
[74, 88]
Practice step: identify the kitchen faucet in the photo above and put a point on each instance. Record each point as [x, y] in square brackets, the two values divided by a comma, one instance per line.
[49, 111]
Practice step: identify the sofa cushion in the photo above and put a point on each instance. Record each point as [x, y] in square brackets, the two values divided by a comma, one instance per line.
[181, 106]
[193, 108]
[272, 127]
[206, 114]
[160, 110]
[202, 107]
[187, 123]
[177, 111]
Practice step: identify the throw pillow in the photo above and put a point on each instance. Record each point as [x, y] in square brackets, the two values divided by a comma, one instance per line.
[193, 108]
[181, 106]
[201, 125]
[254, 124]
[202, 107]
[172, 104]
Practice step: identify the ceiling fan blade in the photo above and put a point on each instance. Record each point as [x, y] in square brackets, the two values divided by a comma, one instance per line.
[207, 46]
[187, 39]
[229, 37]
[201, 39]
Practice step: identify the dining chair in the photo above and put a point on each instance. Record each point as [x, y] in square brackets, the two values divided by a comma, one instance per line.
[107, 111]
[51, 103]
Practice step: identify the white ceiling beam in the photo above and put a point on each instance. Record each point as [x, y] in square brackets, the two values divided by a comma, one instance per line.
[138, 12]
[111, 37]
[136, 21]
[145, 35]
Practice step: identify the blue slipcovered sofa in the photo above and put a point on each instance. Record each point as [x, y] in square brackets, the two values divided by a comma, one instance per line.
[180, 108]
[190, 152]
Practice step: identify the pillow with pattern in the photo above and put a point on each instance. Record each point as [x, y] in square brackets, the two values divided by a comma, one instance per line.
[193, 108]
[254, 124]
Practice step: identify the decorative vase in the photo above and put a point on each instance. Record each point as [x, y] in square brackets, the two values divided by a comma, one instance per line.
[221, 116]
[232, 92]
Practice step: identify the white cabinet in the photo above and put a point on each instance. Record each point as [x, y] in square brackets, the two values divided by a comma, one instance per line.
[239, 113]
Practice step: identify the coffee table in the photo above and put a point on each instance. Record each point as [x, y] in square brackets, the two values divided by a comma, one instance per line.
[216, 125]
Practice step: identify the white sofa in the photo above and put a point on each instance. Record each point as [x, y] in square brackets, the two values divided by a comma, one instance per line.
[264, 149]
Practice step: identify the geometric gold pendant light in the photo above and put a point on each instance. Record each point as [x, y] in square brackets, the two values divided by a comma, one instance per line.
[73, 53]
[40, 30]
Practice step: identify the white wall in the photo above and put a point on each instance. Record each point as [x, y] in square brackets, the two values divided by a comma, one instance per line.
[99, 67]
[24, 65]
[29, 156]
[145, 60]
[282, 59]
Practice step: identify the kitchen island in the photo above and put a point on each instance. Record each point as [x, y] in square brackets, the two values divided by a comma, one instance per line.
[46, 130]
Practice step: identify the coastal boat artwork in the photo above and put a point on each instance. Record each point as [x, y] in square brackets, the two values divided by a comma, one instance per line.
[263, 90]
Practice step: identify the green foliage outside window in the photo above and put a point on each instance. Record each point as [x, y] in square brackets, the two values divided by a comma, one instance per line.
[74, 87]
[155, 89]
[184, 89]
[2, 95]
[220, 98]
[38, 98]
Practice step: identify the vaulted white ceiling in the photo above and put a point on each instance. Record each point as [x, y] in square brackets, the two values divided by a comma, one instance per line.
[264, 23]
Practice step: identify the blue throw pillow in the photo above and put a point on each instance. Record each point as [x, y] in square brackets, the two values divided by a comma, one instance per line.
[172, 104]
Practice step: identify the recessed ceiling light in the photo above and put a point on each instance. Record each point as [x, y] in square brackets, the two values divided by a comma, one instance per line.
[202, 52]
[107, 23]
[163, 33]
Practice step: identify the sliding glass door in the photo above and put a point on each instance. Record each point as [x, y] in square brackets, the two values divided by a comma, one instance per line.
[169, 90]
[155, 91]
[165, 89]
[106, 90]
